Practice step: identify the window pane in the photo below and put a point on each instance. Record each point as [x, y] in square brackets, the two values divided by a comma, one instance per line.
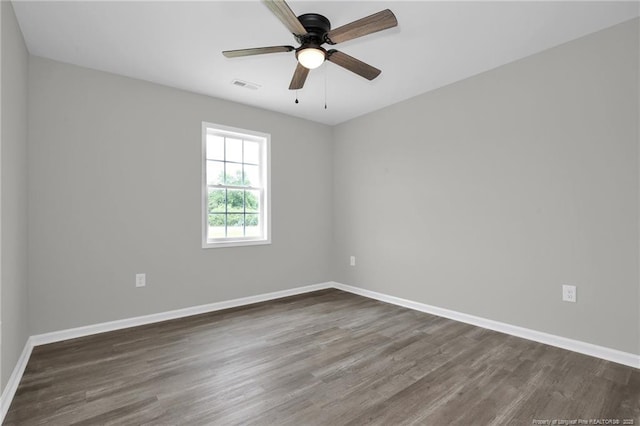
[234, 150]
[252, 201]
[216, 226]
[234, 174]
[251, 152]
[235, 201]
[252, 225]
[215, 172]
[251, 175]
[215, 147]
[217, 201]
[235, 225]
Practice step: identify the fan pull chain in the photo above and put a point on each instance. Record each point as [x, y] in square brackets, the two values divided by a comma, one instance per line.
[297, 96]
[325, 87]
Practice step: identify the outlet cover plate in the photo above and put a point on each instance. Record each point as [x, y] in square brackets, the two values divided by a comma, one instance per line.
[569, 293]
[141, 280]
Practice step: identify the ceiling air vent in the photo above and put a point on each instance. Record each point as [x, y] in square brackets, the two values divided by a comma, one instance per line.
[245, 84]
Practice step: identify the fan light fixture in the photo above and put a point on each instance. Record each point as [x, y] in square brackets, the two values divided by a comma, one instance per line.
[311, 57]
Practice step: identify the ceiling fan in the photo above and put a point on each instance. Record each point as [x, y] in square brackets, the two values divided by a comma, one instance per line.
[312, 30]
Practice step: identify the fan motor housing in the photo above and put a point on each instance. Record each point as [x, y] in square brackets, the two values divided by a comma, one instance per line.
[317, 27]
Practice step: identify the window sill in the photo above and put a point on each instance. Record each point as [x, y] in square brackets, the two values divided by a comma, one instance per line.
[234, 243]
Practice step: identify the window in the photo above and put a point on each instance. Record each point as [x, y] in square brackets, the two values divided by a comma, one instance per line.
[235, 187]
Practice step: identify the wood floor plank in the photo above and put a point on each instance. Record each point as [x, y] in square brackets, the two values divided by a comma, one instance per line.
[323, 358]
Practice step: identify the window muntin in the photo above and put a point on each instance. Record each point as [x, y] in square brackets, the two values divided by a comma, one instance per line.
[235, 187]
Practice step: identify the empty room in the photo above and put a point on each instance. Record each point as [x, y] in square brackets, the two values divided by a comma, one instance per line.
[319, 212]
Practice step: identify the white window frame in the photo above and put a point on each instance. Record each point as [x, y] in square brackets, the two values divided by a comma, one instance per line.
[265, 189]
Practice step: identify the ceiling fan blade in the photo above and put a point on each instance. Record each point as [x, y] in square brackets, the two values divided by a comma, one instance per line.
[299, 77]
[352, 64]
[371, 24]
[257, 51]
[283, 12]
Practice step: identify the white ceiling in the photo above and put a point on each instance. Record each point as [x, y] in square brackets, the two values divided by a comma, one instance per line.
[178, 44]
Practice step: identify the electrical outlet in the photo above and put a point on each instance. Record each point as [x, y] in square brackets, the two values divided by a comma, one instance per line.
[141, 280]
[569, 293]
[352, 261]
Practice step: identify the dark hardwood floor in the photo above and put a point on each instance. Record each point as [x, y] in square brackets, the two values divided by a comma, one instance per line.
[324, 358]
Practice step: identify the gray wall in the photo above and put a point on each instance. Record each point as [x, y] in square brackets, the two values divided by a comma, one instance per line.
[487, 195]
[114, 189]
[13, 192]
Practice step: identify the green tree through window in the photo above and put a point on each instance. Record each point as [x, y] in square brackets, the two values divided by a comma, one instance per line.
[234, 203]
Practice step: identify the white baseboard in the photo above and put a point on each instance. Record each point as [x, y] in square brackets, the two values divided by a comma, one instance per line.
[72, 333]
[625, 358]
[12, 385]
